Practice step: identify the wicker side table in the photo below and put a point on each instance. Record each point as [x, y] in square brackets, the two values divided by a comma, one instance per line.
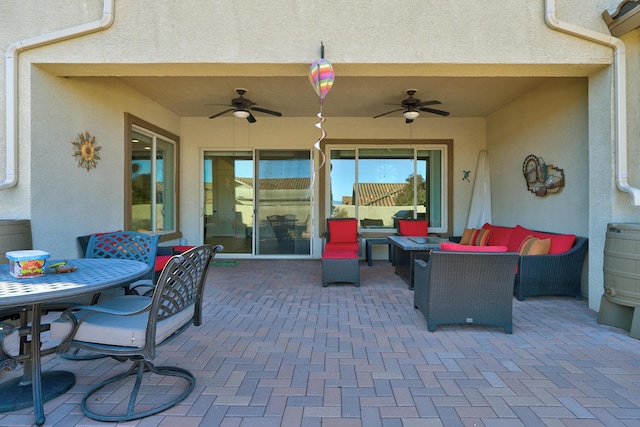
[340, 266]
[377, 241]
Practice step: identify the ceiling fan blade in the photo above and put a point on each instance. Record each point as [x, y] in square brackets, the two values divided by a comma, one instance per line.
[264, 110]
[424, 104]
[251, 119]
[431, 110]
[221, 113]
[388, 112]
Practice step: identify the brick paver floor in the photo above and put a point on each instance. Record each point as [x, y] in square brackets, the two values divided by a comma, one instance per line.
[278, 349]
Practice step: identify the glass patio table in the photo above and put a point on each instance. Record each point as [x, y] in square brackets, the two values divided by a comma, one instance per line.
[92, 275]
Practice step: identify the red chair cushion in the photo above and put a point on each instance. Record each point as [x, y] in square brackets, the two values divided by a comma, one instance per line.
[339, 255]
[407, 227]
[343, 231]
[181, 249]
[348, 247]
[161, 261]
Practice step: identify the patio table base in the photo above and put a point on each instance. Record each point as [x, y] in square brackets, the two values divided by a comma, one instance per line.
[17, 394]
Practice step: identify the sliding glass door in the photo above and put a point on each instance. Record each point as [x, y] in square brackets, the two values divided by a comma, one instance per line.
[270, 215]
[228, 200]
[283, 211]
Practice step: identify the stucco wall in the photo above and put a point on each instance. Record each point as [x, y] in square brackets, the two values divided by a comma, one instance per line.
[68, 201]
[551, 122]
[200, 134]
[254, 31]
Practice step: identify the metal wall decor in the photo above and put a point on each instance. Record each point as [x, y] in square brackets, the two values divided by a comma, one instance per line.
[86, 151]
[542, 179]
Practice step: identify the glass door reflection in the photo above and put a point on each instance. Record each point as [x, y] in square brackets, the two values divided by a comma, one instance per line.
[283, 211]
[228, 200]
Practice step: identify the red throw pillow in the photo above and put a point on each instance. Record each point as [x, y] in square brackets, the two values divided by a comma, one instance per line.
[500, 236]
[457, 247]
[519, 234]
[419, 227]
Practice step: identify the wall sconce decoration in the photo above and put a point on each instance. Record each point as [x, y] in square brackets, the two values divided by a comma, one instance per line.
[542, 179]
[86, 150]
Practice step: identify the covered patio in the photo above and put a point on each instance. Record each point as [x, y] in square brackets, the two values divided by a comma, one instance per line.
[278, 349]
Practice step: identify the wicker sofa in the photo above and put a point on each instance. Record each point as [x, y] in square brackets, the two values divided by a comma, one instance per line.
[457, 287]
[557, 273]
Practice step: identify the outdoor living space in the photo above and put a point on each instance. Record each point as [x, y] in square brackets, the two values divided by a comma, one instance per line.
[278, 349]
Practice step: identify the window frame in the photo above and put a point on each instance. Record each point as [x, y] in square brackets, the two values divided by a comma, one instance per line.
[417, 145]
[132, 122]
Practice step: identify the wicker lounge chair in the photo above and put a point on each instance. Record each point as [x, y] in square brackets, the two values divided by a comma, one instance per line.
[341, 256]
[462, 287]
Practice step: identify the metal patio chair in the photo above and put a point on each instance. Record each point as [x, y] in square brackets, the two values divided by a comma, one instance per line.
[127, 245]
[131, 327]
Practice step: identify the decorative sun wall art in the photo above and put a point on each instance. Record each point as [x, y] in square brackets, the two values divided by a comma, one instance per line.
[86, 151]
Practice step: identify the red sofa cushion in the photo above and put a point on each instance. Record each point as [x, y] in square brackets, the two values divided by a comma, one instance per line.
[457, 247]
[500, 235]
[409, 227]
[560, 243]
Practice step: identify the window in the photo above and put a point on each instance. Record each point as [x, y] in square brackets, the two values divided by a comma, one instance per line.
[379, 184]
[151, 180]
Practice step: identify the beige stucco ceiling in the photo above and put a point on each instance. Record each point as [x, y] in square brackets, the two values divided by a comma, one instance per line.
[201, 90]
[349, 97]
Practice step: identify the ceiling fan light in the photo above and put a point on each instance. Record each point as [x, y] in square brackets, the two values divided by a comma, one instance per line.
[240, 114]
[410, 115]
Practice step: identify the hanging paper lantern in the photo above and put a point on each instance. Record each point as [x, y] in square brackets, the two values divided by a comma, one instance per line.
[321, 77]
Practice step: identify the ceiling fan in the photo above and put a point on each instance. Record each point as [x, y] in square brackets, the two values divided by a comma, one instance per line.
[242, 108]
[412, 107]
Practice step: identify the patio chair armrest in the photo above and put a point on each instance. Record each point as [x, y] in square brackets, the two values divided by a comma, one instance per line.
[88, 310]
[67, 325]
